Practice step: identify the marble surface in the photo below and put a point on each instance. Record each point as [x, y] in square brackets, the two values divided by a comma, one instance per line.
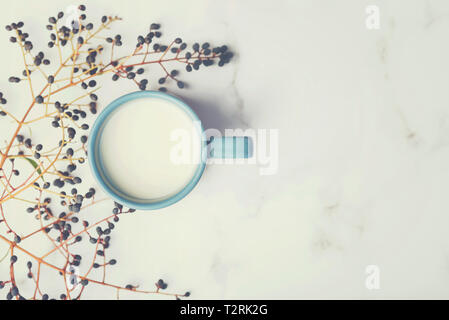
[363, 120]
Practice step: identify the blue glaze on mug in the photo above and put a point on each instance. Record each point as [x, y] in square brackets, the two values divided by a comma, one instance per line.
[225, 147]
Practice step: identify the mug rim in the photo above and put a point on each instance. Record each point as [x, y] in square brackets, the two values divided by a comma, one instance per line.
[94, 162]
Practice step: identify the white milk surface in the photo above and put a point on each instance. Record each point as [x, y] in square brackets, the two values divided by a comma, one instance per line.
[137, 144]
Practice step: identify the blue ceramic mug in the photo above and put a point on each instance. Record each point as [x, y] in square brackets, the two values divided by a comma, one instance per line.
[221, 147]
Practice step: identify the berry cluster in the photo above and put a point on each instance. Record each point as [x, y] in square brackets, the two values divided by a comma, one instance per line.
[59, 197]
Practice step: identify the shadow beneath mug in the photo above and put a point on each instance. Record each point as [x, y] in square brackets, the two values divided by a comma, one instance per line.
[212, 117]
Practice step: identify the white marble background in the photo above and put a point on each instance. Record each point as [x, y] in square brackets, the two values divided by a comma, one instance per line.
[363, 117]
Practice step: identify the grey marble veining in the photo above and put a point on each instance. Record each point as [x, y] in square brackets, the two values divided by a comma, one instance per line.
[363, 120]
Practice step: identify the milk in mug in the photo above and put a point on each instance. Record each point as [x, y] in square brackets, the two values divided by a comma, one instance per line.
[136, 149]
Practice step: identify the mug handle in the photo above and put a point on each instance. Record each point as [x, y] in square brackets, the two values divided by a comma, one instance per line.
[230, 147]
